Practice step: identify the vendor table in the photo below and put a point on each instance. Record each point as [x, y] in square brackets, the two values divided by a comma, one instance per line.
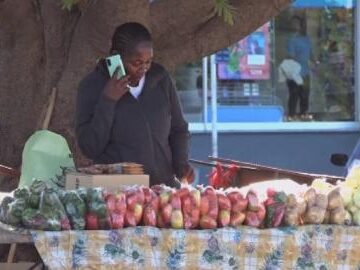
[305, 247]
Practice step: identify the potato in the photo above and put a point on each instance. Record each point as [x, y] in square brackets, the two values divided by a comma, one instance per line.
[314, 215]
[327, 217]
[310, 197]
[338, 216]
[321, 200]
[348, 218]
[335, 200]
[302, 206]
[292, 217]
[291, 201]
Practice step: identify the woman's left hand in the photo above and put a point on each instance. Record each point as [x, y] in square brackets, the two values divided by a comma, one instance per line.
[189, 175]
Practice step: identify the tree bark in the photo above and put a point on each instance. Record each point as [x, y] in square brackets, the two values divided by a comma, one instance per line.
[43, 46]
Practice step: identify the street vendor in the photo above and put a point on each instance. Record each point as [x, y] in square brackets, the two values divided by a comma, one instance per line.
[135, 118]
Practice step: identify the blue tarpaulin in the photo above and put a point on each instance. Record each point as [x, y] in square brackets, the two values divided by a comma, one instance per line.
[324, 3]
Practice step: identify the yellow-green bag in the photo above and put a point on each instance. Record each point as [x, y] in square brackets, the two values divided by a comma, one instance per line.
[46, 156]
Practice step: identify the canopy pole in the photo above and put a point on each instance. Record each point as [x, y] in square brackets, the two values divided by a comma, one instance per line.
[214, 131]
[205, 87]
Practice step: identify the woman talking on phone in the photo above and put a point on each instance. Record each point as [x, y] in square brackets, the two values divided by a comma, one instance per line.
[135, 118]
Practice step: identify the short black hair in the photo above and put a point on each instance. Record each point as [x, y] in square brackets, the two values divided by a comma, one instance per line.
[127, 36]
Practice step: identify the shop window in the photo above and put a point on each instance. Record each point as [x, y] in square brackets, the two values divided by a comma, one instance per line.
[254, 84]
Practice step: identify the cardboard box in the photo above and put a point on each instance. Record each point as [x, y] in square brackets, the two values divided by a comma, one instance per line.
[75, 180]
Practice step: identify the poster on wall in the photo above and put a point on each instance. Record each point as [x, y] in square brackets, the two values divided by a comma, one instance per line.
[248, 59]
[324, 3]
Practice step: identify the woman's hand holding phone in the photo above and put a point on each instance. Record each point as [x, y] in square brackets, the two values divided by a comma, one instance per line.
[116, 88]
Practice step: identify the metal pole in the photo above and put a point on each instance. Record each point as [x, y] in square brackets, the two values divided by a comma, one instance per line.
[214, 132]
[357, 62]
[205, 86]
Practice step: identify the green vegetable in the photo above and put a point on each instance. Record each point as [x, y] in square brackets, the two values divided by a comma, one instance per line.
[14, 213]
[22, 193]
[4, 208]
[75, 209]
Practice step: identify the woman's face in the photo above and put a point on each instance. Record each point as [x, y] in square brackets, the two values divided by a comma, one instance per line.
[139, 62]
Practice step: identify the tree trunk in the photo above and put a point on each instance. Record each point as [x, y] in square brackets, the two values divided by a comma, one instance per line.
[43, 46]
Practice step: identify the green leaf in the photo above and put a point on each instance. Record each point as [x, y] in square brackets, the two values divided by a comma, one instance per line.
[224, 9]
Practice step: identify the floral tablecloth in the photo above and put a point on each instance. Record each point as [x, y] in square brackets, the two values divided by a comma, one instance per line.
[306, 247]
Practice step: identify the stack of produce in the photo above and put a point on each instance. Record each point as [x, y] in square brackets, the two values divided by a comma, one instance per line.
[238, 207]
[209, 208]
[275, 208]
[256, 211]
[40, 207]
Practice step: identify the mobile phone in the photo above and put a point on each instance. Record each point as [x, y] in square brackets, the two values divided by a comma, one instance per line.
[114, 61]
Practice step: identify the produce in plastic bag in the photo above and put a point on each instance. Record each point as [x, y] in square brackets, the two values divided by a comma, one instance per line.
[275, 208]
[135, 206]
[97, 211]
[15, 211]
[238, 206]
[256, 212]
[52, 208]
[316, 206]
[4, 208]
[209, 208]
[151, 207]
[295, 209]
[190, 202]
[75, 209]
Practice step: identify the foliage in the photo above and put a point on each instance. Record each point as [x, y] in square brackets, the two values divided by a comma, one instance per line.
[222, 8]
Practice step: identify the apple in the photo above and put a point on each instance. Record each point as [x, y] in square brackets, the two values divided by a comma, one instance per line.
[187, 205]
[234, 196]
[252, 219]
[183, 192]
[138, 212]
[149, 216]
[195, 217]
[253, 200]
[187, 222]
[164, 198]
[147, 194]
[166, 213]
[224, 218]
[160, 222]
[120, 203]
[196, 197]
[130, 220]
[177, 220]
[204, 205]
[131, 200]
[236, 219]
[155, 203]
[207, 222]
[175, 202]
[261, 213]
[224, 202]
[240, 205]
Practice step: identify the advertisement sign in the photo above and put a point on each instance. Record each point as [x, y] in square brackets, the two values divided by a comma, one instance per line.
[248, 59]
[324, 3]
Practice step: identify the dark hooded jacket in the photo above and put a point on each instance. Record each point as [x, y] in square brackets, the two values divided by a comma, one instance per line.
[149, 130]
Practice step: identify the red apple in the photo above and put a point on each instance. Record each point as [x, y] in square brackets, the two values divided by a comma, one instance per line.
[240, 205]
[196, 197]
[253, 200]
[187, 205]
[236, 219]
[224, 202]
[138, 212]
[130, 220]
[149, 216]
[164, 198]
[177, 220]
[207, 223]
[117, 221]
[166, 213]
[252, 219]
[159, 221]
[204, 205]
[224, 218]
[175, 202]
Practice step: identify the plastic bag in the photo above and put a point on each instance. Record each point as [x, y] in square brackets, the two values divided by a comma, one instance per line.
[52, 209]
[45, 156]
[75, 209]
[97, 216]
